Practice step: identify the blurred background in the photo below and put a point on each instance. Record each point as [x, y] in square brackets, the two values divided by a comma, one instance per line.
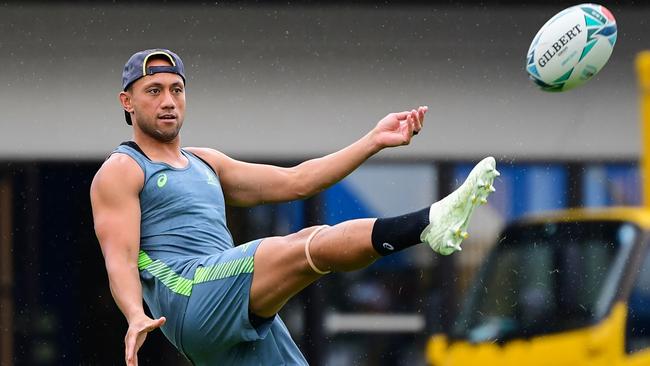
[280, 82]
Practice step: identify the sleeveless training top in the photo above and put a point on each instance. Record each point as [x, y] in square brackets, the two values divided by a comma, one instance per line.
[183, 218]
[192, 274]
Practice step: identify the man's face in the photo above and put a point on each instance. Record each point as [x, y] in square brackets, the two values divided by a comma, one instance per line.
[158, 103]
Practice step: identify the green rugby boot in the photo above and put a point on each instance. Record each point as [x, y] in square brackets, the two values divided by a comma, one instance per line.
[449, 217]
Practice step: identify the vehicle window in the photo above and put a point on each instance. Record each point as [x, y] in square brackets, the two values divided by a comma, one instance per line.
[638, 320]
[546, 278]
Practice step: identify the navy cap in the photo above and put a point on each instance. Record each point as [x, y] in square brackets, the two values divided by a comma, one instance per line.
[136, 68]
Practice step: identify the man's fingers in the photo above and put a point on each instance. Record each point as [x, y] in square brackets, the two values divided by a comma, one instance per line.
[156, 324]
[136, 335]
[130, 350]
[421, 111]
[416, 120]
[416, 126]
[409, 129]
[401, 116]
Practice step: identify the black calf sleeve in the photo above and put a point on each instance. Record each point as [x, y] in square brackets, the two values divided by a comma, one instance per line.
[392, 234]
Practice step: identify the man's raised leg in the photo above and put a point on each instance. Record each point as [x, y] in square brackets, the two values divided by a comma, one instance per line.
[282, 264]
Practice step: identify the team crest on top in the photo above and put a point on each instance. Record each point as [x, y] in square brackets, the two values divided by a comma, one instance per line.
[212, 180]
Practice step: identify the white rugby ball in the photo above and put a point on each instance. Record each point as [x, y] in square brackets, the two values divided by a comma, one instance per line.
[571, 47]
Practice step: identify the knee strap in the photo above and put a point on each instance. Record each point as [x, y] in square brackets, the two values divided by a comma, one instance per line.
[309, 239]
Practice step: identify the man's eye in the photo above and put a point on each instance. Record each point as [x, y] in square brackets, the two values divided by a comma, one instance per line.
[178, 90]
[153, 91]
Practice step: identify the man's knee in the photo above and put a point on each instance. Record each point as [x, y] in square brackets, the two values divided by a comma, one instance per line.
[301, 235]
[281, 270]
[286, 253]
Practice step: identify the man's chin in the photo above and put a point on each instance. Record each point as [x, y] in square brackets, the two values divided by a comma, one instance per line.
[162, 132]
[166, 137]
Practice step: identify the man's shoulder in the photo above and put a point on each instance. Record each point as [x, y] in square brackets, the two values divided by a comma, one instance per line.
[200, 150]
[120, 169]
[205, 152]
[120, 161]
[212, 156]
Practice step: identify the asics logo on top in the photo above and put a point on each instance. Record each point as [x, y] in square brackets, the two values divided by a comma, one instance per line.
[162, 180]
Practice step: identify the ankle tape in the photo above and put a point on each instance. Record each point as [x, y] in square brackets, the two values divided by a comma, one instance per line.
[309, 239]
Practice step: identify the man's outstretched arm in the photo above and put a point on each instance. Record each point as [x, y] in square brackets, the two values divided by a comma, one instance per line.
[246, 184]
[114, 195]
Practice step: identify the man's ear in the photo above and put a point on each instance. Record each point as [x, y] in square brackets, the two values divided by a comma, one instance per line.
[125, 100]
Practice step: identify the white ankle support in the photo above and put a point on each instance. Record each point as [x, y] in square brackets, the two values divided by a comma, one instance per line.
[309, 239]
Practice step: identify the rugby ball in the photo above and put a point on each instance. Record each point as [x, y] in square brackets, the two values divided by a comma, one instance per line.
[571, 47]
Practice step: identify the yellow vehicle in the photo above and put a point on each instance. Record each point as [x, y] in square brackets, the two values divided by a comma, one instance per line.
[567, 288]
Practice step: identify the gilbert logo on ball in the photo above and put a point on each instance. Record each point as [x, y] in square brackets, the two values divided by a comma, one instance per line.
[571, 47]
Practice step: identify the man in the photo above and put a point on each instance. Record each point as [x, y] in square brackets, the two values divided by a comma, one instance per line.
[160, 219]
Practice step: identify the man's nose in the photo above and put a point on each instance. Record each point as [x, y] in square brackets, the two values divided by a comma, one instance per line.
[168, 100]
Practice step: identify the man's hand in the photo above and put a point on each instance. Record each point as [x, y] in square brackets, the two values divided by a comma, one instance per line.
[136, 335]
[398, 128]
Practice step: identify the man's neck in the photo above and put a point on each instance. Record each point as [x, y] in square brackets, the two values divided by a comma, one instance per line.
[166, 152]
